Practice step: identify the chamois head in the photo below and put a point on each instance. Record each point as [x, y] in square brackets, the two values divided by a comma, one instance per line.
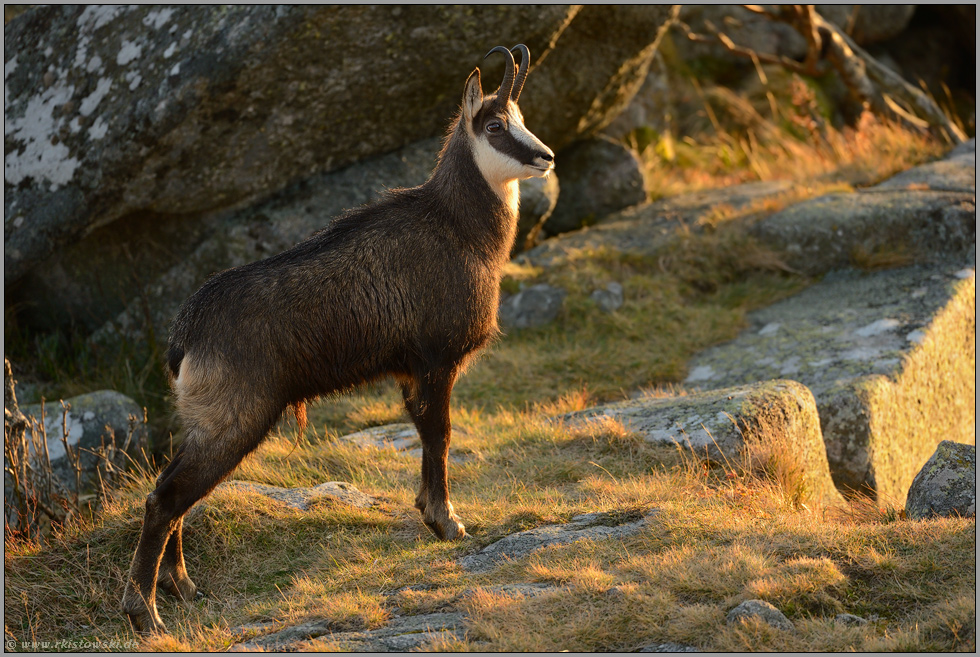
[504, 149]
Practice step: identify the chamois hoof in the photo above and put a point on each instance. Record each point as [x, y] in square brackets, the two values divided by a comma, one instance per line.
[184, 589]
[146, 622]
[446, 528]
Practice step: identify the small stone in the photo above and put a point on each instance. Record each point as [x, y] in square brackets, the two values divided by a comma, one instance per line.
[609, 299]
[849, 619]
[760, 609]
[535, 306]
[670, 646]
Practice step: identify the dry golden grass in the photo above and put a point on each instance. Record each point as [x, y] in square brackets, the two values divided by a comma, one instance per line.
[776, 132]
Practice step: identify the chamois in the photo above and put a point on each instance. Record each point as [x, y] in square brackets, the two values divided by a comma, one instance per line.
[406, 287]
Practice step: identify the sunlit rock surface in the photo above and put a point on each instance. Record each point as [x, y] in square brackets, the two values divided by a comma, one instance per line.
[890, 357]
[946, 485]
[727, 425]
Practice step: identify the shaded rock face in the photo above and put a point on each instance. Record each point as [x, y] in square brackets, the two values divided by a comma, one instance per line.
[946, 485]
[116, 110]
[869, 24]
[601, 176]
[589, 78]
[539, 196]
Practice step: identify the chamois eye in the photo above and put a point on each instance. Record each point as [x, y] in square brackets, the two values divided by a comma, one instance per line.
[494, 126]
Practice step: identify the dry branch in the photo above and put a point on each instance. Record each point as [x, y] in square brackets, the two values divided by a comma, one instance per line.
[874, 85]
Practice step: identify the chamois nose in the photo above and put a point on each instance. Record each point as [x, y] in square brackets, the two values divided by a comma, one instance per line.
[547, 157]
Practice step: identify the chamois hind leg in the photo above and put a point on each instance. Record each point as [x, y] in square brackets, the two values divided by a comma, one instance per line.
[430, 412]
[410, 394]
[172, 576]
[201, 463]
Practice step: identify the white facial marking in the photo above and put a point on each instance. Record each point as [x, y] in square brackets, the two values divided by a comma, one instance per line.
[502, 171]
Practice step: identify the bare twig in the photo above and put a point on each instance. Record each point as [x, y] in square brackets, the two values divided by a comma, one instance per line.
[875, 86]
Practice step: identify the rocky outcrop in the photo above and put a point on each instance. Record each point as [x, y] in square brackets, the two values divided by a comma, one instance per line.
[946, 485]
[925, 213]
[889, 356]
[646, 228]
[775, 420]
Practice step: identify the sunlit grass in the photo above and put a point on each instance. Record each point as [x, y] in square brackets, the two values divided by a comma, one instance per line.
[718, 537]
[777, 131]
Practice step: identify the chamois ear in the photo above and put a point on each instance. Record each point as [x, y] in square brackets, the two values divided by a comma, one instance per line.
[472, 95]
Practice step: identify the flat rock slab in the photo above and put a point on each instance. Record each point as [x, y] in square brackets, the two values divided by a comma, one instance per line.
[303, 498]
[588, 526]
[928, 213]
[890, 357]
[643, 229]
[719, 425]
[402, 437]
[400, 635]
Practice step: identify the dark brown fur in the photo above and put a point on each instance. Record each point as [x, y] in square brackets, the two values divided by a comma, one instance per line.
[406, 287]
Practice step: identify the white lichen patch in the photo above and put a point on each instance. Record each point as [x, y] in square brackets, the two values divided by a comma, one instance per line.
[770, 328]
[38, 157]
[90, 102]
[94, 64]
[171, 49]
[128, 51]
[158, 18]
[700, 373]
[54, 430]
[134, 79]
[98, 129]
[877, 328]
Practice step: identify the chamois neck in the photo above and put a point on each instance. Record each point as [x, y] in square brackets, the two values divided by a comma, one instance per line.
[488, 212]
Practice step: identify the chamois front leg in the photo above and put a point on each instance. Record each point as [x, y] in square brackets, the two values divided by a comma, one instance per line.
[430, 411]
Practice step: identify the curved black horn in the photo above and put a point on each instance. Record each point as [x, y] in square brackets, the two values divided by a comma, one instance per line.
[522, 71]
[507, 84]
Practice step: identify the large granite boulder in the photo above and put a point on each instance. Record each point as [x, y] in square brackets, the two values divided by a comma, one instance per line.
[601, 176]
[94, 420]
[117, 111]
[138, 138]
